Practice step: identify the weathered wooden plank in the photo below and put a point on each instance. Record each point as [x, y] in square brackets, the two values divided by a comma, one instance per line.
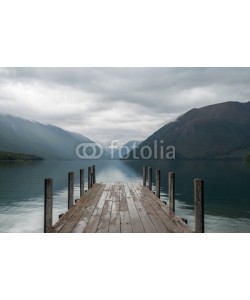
[120, 208]
[107, 206]
[166, 220]
[123, 200]
[116, 205]
[174, 223]
[100, 205]
[136, 222]
[92, 224]
[157, 205]
[156, 220]
[146, 221]
[103, 226]
[126, 226]
[87, 196]
[84, 219]
[115, 221]
[75, 218]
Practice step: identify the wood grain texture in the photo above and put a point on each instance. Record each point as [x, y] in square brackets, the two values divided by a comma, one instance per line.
[70, 189]
[48, 204]
[119, 208]
[199, 205]
[171, 191]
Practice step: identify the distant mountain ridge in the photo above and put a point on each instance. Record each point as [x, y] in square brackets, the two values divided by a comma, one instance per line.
[220, 131]
[46, 141]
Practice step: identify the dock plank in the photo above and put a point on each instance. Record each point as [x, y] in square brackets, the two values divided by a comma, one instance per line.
[163, 215]
[123, 200]
[170, 217]
[92, 224]
[115, 222]
[69, 226]
[156, 220]
[146, 221]
[136, 222]
[126, 226]
[115, 219]
[120, 208]
[67, 216]
[103, 226]
[82, 223]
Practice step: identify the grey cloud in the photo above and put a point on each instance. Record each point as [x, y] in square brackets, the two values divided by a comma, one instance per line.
[140, 98]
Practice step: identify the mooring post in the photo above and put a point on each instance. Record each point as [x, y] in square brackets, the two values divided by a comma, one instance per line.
[150, 178]
[94, 177]
[70, 189]
[158, 183]
[81, 182]
[144, 175]
[171, 191]
[48, 204]
[89, 177]
[199, 205]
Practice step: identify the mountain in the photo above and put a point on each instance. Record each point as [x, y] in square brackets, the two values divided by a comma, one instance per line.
[220, 131]
[33, 138]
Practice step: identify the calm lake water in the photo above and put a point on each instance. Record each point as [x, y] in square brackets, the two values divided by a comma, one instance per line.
[227, 190]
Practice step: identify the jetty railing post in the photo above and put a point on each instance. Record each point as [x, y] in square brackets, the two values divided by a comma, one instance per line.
[171, 191]
[158, 183]
[89, 178]
[70, 189]
[144, 171]
[150, 178]
[199, 205]
[94, 176]
[81, 182]
[48, 204]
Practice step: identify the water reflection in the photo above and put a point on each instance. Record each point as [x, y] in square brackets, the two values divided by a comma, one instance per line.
[227, 190]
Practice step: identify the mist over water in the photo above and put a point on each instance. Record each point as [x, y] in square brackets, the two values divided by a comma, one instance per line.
[227, 190]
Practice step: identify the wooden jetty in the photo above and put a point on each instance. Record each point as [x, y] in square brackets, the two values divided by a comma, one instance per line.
[121, 207]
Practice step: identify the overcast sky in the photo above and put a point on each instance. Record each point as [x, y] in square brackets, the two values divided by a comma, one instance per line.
[116, 103]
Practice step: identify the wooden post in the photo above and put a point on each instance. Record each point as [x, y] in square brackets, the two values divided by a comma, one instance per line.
[171, 191]
[94, 177]
[48, 204]
[199, 205]
[150, 178]
[144, 175]
[70, 189]
[89, 178]
[158, 182]
[81, 182]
